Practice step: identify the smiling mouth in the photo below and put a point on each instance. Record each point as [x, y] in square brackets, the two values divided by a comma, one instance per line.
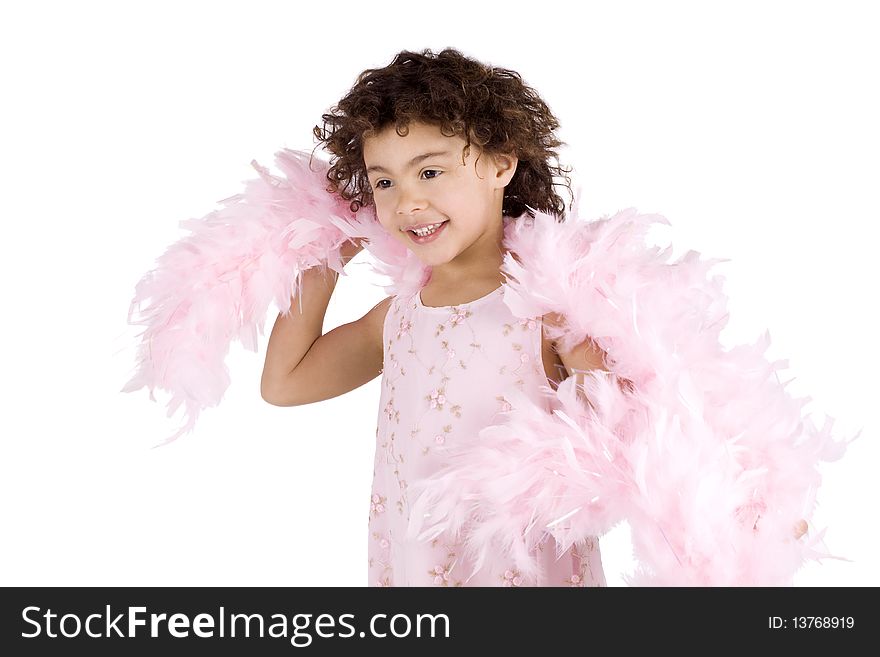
[426, 234]
[426, 230]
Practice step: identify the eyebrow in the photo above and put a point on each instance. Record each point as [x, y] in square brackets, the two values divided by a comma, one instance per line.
[411, 163]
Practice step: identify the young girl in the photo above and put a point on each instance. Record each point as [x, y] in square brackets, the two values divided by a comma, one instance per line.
[446, 149]
[544, 378]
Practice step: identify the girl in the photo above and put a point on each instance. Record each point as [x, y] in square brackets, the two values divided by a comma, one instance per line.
[542, 377]
[432, 144]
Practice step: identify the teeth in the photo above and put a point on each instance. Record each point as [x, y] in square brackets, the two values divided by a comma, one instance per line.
[427, 230]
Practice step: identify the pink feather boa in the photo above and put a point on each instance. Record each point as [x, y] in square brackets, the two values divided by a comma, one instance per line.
[215, 286]
[707, 457]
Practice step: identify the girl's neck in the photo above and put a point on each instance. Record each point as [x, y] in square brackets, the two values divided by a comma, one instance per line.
[478, 265]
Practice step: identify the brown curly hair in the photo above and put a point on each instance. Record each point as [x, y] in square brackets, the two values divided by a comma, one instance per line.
[487, 105]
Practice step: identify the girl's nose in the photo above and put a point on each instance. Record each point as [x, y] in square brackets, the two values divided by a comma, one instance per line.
[409, 201]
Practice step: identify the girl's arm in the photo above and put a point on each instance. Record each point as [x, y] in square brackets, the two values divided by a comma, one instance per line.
[292, 336]
[581, 359]
[589, 356]
[303, 366]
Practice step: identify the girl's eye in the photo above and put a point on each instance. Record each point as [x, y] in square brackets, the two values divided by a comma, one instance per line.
[383, 180]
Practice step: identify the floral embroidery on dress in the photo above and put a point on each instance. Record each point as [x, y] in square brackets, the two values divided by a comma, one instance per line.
[450, 352]
[437, 398]
[584, 555]
[447, 372]
[382, 561]
[440, 575]
[511, 578]
[404, 327]
[458, 316]
[377, 504]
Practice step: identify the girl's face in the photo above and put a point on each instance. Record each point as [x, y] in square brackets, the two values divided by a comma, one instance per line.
[421, 179]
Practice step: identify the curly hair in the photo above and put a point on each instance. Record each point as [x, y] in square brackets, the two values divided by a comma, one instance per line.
[489, 106]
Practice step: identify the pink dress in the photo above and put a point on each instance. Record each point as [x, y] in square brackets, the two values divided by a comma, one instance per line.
[446, 370]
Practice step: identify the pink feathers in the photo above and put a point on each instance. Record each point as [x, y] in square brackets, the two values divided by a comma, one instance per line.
[706, 442]
[707, 457]
[216, 284]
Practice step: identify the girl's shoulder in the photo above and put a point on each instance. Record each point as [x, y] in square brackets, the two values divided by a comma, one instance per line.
[374, 321]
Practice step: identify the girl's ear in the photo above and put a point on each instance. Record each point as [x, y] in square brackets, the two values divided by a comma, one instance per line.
[505, 167]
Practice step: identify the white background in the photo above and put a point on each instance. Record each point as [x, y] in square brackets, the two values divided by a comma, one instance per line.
[752, 126]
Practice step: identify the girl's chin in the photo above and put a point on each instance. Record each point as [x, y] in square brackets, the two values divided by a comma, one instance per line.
[430, 259]
[427, 253]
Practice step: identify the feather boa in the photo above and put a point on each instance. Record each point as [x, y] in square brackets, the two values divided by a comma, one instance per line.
[215, 286]
[705, 455]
